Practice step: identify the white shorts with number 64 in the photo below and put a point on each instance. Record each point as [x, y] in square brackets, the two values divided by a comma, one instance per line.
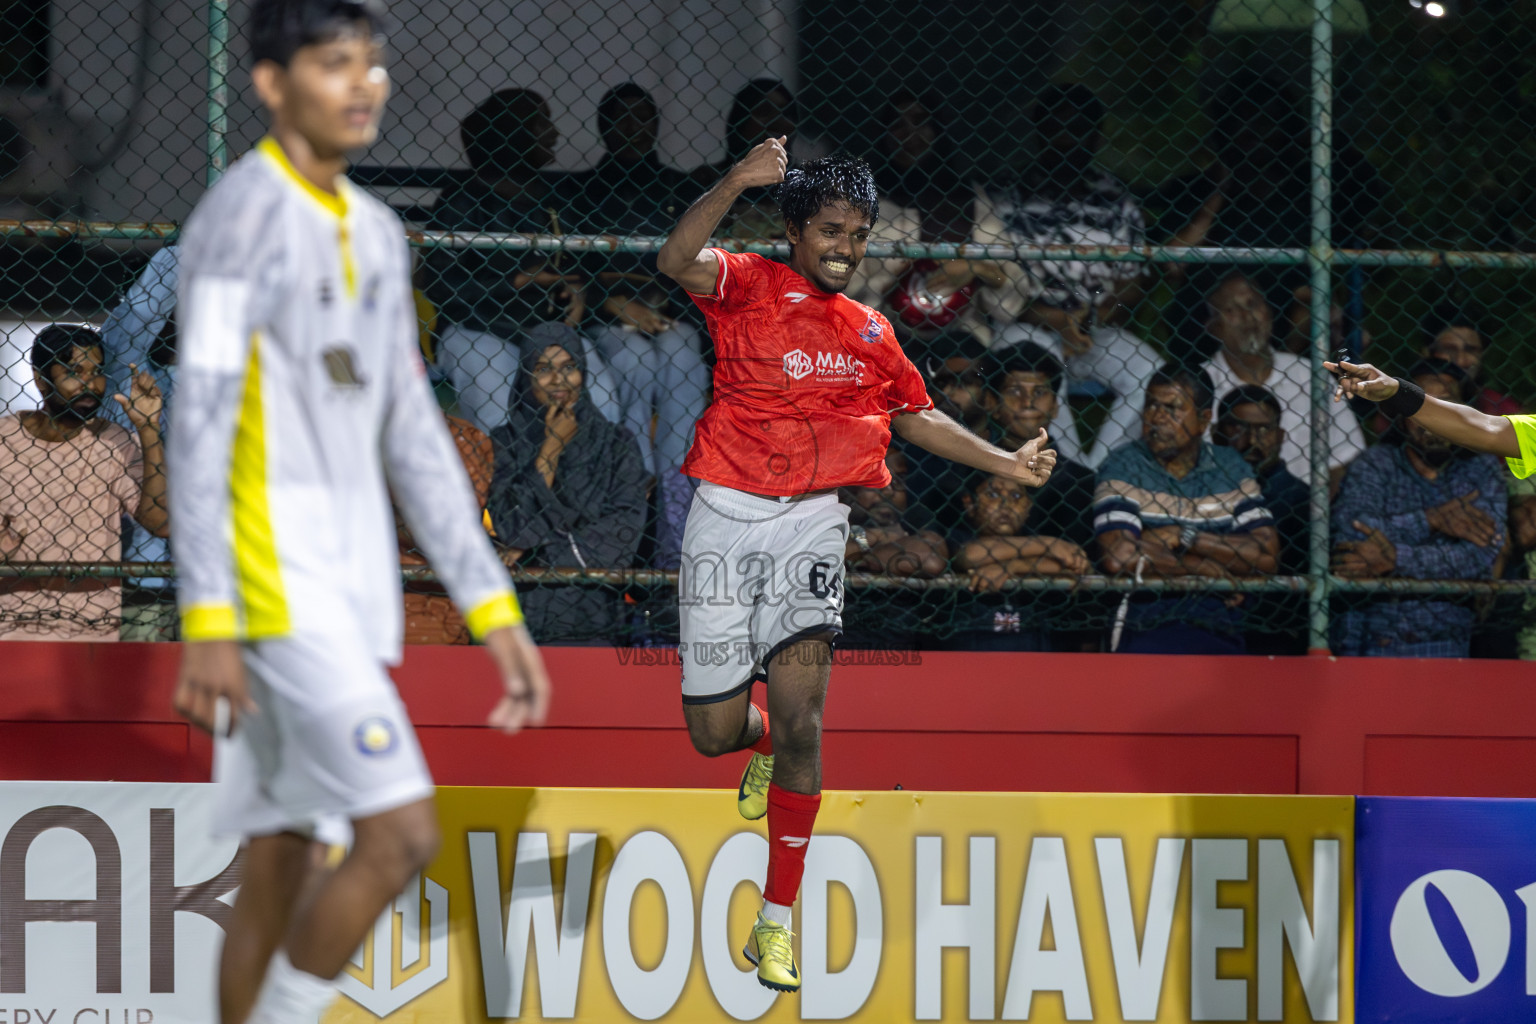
[758, 574]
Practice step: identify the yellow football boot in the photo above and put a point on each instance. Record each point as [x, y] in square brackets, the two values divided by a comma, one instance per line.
[752, 796]
[769, 950]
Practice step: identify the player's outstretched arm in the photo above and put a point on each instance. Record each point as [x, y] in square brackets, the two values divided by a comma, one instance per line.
[1031, 465]
[684, 257]
[427, 477]
[1459, 423]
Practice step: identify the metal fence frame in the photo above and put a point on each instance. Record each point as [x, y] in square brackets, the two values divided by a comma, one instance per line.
[1319, 258]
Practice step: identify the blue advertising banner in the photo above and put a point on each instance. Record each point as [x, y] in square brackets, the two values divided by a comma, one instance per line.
[1445, 892]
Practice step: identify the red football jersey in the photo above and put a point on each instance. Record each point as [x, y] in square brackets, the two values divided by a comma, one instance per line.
[806, 383]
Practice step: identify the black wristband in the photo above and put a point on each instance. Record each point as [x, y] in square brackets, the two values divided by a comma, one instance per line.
[1408, 400]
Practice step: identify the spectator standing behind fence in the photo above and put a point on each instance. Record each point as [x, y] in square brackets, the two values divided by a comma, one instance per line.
[656, 361]
[1064, 200]
[568, 490]
[1417, 509]
[1172, 504]
[1257, 193]
[487, 298]
[764, 108]
[957, 371]
[141, 331]
[1025, 380]
[1248, 422]
[1457, 336]
[997, 546]
[1239, 317]
[924, 200]
[430, 614]
[67, 477]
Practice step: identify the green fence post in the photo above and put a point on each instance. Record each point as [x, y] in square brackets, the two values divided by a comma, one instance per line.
[1319, 263]
[218, 89]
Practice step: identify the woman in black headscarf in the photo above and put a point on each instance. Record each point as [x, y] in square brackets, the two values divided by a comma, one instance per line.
[568, 489]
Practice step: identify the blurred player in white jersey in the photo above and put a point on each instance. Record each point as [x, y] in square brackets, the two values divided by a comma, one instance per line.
[302, 404]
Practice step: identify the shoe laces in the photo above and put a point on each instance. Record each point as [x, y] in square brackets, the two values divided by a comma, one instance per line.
[778, 949]
[759, 771]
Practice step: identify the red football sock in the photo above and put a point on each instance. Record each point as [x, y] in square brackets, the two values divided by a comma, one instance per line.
[791, 817]
[763, 745]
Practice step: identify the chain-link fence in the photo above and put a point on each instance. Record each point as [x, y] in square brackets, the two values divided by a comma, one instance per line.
[1140, 224]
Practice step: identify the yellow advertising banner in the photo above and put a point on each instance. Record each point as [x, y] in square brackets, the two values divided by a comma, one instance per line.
[613, 905]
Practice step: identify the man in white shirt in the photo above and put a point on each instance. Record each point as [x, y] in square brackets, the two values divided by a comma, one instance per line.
[1239, 316]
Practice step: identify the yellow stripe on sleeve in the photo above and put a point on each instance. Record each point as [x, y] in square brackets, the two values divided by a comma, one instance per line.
[258, 573]
[209, 622]
[1525, 433]
[494, 613]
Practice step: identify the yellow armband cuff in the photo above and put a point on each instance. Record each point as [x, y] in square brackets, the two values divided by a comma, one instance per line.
[209, 622]
[1525, 434]
[493, 613]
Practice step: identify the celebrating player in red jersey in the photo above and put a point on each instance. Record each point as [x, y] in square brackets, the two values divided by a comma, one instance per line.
[807, 382]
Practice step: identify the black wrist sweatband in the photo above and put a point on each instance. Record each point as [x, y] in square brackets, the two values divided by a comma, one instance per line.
[1408, 399]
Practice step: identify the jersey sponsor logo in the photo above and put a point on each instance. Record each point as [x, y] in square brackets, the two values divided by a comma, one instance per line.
[797, 364]
[829, 367]
[376, 736]
[796, 297]
[342, 367]
[873, 330]
[837, 366]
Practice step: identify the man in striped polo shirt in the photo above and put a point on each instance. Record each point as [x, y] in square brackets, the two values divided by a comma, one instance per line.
[1173, 504]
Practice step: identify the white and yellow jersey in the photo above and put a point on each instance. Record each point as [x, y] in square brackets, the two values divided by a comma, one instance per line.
[301, 404]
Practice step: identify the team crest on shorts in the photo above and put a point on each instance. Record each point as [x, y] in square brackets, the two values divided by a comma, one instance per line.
[375, 736]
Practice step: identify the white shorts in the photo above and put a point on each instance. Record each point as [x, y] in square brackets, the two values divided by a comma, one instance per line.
[757, 575]
[332, 741]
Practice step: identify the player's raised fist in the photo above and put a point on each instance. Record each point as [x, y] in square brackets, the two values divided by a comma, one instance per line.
[1361, 379]
[765, 165]
[1032, 464]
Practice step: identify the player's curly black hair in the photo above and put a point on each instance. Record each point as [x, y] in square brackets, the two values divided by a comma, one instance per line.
[280, 28]
[833, 179]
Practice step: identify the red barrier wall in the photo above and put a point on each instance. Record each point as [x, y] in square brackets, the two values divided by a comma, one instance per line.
[1043, 722]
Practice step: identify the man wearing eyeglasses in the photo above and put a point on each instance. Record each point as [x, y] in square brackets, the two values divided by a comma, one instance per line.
[1248, 421]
